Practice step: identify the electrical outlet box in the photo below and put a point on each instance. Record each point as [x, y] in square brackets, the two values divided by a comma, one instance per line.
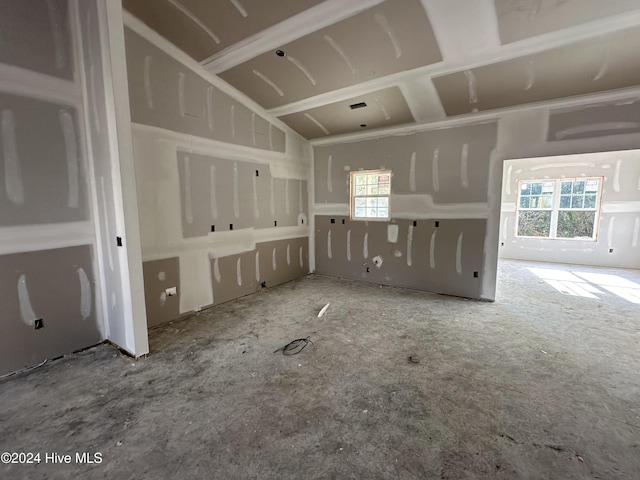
[171, 291]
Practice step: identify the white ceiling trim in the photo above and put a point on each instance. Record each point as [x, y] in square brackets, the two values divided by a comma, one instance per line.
[311, 20]
[627, 94]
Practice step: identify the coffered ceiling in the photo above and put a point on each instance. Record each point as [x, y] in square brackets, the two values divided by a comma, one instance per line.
[403, 61]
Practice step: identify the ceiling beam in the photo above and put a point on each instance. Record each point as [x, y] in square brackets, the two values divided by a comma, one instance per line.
[311, 20]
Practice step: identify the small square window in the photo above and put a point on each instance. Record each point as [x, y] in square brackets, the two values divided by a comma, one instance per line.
[370, 191]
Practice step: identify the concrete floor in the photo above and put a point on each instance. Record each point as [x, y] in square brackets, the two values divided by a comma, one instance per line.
[537, 385]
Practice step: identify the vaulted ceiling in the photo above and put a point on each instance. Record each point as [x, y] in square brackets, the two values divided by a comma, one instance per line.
[332, 67]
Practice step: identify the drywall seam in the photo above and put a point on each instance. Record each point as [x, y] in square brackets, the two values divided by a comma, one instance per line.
[432, 250]
[188, 207]
[272, 194]
[32, 238]
[182, 105]
[240, 8]
[85, 293]
[464, 159]
[365, 246]
[254, 189]
[340, 51]
[73, 162]
[236, 192]
[224, 243]
[269, 82]
[195, 20]
[276, 161]
[459, 254]
[434, 170]
[21, 81]
[609, 127]
[12, 168]
[303, 69]
[148, 92]
[214, 192]
[349, 245]
[414, 207]
[107, 224]
[410, 246]
[287, 202]
[616, 176]
[210, 117]
[317, 123]
[562, 165]
[412, 173]
[386, 27]
[27, 314]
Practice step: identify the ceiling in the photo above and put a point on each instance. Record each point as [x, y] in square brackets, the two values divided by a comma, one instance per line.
[332, 67]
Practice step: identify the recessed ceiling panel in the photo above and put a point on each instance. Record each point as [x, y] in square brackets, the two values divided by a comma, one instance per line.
[595, 65]
[388, 38]
[518, 19]
[373, 110]
[202, 28]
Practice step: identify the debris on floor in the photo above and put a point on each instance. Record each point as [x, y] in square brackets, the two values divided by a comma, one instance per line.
[324, 309]
[414, 359]
[295, 347]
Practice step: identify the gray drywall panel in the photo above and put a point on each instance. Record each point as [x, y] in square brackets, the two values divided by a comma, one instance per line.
[239, 197]
[283, 267]
[43, 179]
[271, 263]
[594, 121]
[451, 165]
[233, 276]
[260, 132]
[160, 275]
[383, 108]
[56, 286]
[278, 140]
[165, 93]
[36, 35]
[374, 252]
[598, 64]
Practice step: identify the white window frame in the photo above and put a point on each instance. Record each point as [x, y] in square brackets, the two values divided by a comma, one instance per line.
[353, 196]
[555, 208]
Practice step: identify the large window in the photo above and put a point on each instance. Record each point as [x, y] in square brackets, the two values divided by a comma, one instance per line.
[370, 191]
[563, 208]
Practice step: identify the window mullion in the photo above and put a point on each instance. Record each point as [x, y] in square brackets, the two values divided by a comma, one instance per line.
[555, 204]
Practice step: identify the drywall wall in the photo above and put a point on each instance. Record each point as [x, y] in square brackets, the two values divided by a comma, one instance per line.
[222, 186]
[440, 204]
[617, 242]
[602, 123]
[55, 235]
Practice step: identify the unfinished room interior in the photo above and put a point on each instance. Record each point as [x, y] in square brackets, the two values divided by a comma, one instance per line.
[320, 239]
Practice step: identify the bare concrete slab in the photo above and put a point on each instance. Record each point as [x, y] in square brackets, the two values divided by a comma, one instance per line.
[536, 385]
